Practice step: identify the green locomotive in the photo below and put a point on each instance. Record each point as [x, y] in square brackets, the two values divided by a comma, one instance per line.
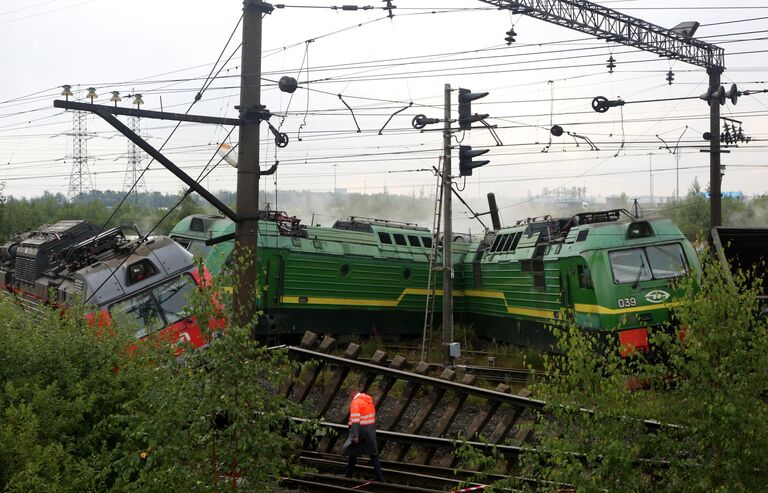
[605, 269]
[359, 276]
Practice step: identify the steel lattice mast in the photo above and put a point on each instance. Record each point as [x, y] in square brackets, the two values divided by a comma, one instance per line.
[611, 25]
[80, 177]
[133, 180]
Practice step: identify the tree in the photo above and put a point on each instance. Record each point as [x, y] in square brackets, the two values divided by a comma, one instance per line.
[711, 388]
[82, 412]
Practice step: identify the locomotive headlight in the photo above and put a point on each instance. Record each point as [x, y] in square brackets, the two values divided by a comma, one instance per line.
[639, 229]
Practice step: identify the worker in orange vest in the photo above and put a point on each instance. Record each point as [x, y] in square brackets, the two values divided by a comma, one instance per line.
[362, 432]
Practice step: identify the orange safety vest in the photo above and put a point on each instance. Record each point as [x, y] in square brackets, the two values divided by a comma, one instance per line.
[361, 411]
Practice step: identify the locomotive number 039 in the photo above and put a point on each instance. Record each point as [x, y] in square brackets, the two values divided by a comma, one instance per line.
[627, 302]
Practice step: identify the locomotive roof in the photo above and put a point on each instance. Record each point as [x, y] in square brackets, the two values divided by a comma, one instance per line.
[572, 236]
[108, 277]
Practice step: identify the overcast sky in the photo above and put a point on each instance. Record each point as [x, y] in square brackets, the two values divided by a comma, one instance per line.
[166, 49]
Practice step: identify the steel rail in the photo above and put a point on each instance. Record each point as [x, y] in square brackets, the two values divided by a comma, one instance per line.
[426, 440]
[421, 379]
[491, 395]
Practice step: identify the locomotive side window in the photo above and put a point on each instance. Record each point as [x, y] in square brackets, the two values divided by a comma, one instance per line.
[585, 277]
[427, 241]
[198, 248]
[515, 241]
[400, 239]
[497, 242]
[414, 241]
[182, 241]
[385, 238]
[140, 312]
[172, 298]
[508, 243]
[667, 261]
[139, 271]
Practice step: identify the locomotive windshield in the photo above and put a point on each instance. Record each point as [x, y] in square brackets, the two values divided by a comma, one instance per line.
[155, 309]
[646, 263]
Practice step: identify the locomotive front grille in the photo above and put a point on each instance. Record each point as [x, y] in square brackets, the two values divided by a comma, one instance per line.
[26, 269]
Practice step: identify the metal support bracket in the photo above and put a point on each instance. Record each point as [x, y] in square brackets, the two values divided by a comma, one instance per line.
[105, 112]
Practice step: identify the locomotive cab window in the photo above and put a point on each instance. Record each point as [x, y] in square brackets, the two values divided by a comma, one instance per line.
[139, 312]
[414, 241]
[646, 263]
[182, 241]
[139, 271]
[172, 298]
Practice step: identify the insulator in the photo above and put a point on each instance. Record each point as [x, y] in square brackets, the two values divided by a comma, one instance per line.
[91, 94]
[611, 64]
[720, 95]
[137, 100]
[733, 94]
[670, 77]
[287, 84]
[67, 91]
[115, 97]
[510, 36]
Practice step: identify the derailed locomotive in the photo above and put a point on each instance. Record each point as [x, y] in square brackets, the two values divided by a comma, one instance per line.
[608, 270]
[144, 282]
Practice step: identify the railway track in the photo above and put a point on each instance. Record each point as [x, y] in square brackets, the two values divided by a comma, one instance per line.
[399, 476]
[423, 412]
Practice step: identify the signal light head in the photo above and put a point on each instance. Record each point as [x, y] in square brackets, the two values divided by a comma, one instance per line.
[466, 118]
[466, 165]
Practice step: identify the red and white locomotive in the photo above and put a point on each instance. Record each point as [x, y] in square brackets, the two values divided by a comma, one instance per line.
[145, 282]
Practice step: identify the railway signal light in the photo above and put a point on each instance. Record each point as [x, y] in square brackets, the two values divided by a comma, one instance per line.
[466, 164]
[466, 118]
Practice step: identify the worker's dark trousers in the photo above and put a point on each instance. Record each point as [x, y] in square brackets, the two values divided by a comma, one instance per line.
[374, 460]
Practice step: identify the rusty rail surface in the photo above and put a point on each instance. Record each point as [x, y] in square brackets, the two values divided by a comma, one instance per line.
[423, 411]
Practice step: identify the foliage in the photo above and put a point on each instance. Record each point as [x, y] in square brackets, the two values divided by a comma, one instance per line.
[21, 214]
[691, 214]
[83, 412]
[712, 387]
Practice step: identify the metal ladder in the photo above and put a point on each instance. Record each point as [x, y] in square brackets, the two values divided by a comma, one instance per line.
[429, 309]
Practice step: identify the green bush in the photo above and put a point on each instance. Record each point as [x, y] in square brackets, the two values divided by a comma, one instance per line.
[711, 390]
[83, 412]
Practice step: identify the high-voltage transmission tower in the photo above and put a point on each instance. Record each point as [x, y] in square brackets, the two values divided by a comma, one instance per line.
[80, 176]
[134, 181]
[676, 44]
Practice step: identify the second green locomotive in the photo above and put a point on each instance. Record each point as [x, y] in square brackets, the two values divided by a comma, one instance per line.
[607, 270]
